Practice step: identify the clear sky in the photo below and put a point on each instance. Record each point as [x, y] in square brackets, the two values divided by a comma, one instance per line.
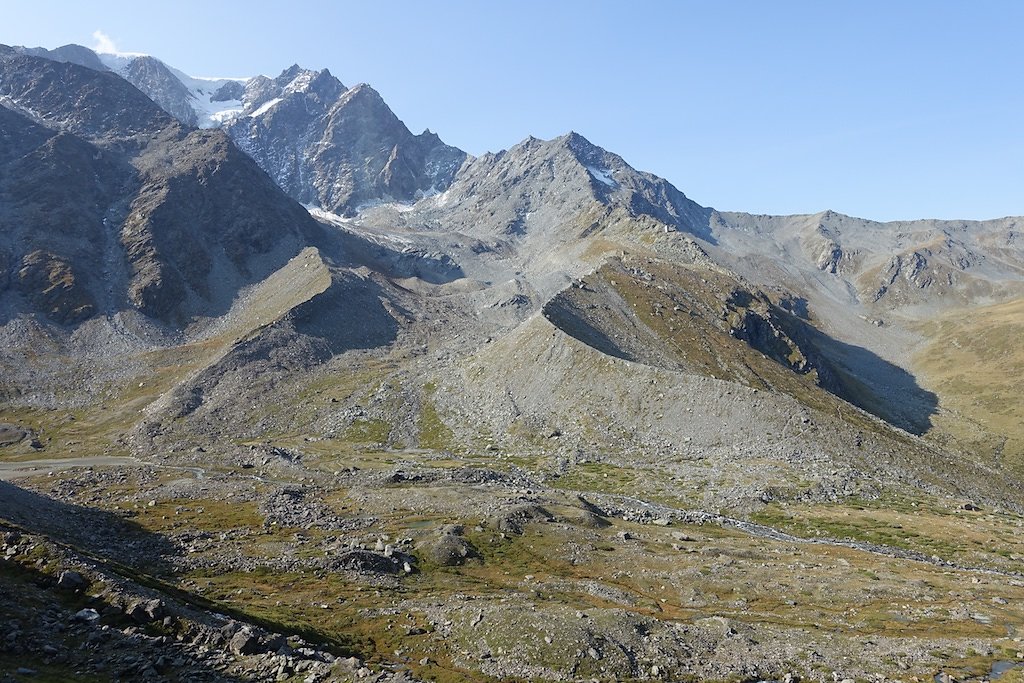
[887, 110]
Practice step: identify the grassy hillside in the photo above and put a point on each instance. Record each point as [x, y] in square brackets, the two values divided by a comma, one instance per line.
[974, 361]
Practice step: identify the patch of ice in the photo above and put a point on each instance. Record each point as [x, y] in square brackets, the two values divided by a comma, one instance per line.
[265, 107]
[202, 84]
[603, 175]
[317, 212]
[209, 114]
[222, 117]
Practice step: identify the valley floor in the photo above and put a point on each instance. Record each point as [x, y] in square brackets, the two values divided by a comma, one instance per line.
[439, 566]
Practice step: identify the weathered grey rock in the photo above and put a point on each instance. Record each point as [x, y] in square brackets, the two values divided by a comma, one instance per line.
[448, 548]
[87, 615]
[70, 580]
[11, 434]
[367, 561]
[144, 612]
[244, 642]
[513, 520]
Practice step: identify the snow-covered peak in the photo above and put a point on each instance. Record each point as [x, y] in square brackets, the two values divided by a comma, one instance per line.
[118, 61]
[203, 96]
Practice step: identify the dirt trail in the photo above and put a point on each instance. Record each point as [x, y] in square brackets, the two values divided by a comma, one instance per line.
[31, 468]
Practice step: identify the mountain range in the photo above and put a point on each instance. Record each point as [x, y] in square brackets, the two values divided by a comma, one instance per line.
[687, 433]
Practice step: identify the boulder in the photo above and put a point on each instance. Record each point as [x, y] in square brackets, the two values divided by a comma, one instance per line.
[244, 642]
[72, 581]
[449, 548]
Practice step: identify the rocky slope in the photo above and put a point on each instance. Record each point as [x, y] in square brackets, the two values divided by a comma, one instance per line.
[112, 203]
[338, 148]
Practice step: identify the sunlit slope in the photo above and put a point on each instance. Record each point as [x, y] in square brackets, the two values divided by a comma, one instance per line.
[974, 362]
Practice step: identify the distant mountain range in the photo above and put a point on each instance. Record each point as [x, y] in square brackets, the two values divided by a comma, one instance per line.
[181, 219]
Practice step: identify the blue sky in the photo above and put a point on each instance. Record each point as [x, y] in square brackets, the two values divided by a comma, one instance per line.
[885, 110]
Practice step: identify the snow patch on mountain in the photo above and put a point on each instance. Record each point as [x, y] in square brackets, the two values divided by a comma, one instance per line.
[301, 82]
[201, 90]
[602, 175]
[117, 62]
[265, 107]
[210, 114]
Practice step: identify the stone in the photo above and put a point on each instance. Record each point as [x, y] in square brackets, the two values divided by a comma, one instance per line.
[69, 580]
[244, 642]
[137, 612]
[86, 616]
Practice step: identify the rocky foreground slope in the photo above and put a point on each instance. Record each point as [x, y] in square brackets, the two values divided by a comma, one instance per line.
[529, 416]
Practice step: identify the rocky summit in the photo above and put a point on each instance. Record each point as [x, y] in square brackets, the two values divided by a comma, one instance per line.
[290, 393]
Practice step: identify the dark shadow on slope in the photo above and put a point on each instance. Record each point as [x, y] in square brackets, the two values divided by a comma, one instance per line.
[670, 206]
[352, 249]
[755, 344]
[93, 532]
[349, 315]
[874, 384]
[567, 318]
[56, 651]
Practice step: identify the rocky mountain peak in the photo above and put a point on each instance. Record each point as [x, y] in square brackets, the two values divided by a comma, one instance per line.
[232, 90]
[154, 78]
[338, 148]
[79, 99]
[288, 75]
[578, 144]
[326, 85]
[363, 95]
[74, 54]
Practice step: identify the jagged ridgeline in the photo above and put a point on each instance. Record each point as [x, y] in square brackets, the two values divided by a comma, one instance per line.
[289, 392]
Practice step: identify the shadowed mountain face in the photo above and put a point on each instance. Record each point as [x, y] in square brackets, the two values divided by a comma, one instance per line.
[110, 203]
